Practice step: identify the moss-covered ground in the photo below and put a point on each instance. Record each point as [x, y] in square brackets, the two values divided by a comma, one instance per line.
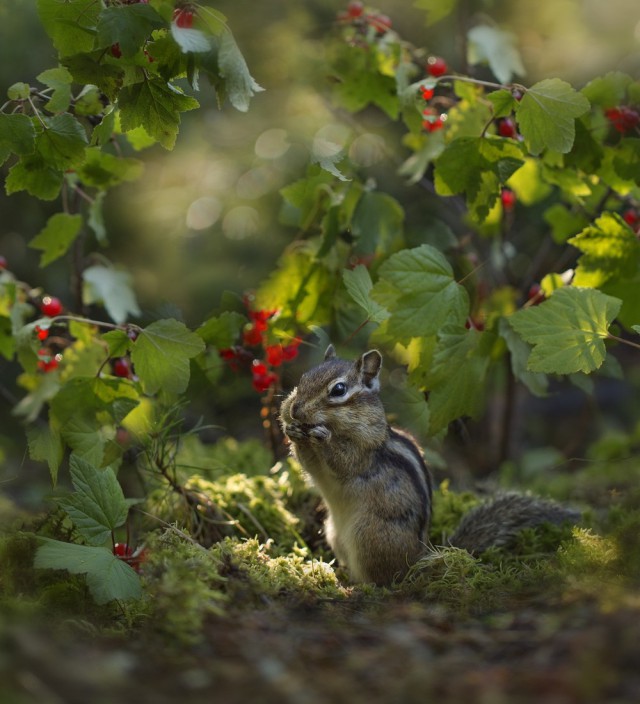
[243, 603]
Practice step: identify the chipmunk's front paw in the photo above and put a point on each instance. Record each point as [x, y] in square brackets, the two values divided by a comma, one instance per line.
[320, 433]
[296, 431]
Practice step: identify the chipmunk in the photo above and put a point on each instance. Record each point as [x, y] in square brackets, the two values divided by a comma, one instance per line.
[373, 478]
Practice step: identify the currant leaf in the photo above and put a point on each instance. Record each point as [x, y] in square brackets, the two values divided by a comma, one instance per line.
[112, 288]
[358, 283]
[240, 84]
[57, 236]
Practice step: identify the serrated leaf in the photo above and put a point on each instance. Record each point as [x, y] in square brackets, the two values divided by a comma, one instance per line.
[610, 250]
[240, 85]
[56, 237]
[567, 330]
[19, 91]
[97, 507]
[418, 288]
[127, 25]
[118, 342]
[112, 288]
[564, 222]
[190, 40]
[436, 9]
[503, 102]
[497, 48]
[358, 283]
[91, 69]
[59, 79]
[34, 175]
[608, 91]
[161, 355]
[546, 115]
[519, 350]
[476, 166]
[45, 445]
[222, 331]
[71, 24]
[17, 134]
[108, 578]
[377, 219]
[62, 142]
[87, 409]
[457, 376]
[104, 170]
[155, 106]
[358, 89]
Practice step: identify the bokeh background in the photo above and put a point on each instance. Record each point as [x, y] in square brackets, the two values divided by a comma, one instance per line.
[204, 218]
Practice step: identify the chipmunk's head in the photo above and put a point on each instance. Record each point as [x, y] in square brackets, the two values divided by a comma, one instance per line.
[340, 394]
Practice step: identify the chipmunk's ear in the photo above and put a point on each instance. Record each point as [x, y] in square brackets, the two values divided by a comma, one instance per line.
[330, 353]
[368, 367]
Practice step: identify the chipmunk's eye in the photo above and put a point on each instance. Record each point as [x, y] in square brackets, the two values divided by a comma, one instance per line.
[339, 389]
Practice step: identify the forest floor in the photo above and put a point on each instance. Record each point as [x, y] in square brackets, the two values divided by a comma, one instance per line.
[557, 650]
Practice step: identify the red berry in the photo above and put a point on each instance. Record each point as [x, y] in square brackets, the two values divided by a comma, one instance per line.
[122, 550]
[535, 295]
[427, 93]
[116, 51]
[355, 9]
[47, 364]
[41, 333]
[433, 121]
[631, 217]
[132, 334]
[516, 94]
[51, 306]
[381, 23]
[290, 351]
[183, 18]
[122, 367]
[507, 128]
[258, 368]
[436, 66]
[274, 355]
[508, 199]
[623, 118]
[3, 263]
[263, 381]
[252, 336]
[261, 316]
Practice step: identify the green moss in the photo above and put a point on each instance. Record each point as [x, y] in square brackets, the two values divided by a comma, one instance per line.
[448, 509]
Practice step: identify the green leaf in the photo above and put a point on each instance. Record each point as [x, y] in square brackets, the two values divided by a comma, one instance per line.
[90, 69]
[477, 166]
[34, 175]
[456, 380]
[608, 91]
[376, 221]
[56, 237]
[626, 159]
[564, 222]
[63, 142]
[60, 80]
[519, 350]
[503, 102]
[190, 40]
[357, 90]
[155, 106]
[108, 578]
[610, 250]
[45, 445]
[240, 85]
[567, 331]
[19, 91]
[359, 285]
[418, 288]
[161, 356]
[104, 170]
[222, 331]
[88, 408]
[546, 115]
[17, 134]
[128, 25]
[95, 217]
[71, 24]
[97, 507]
[118, 342]
[436, 9]
[497, 48]
[112, 288]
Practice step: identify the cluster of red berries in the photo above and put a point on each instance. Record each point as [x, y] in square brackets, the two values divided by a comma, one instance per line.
[255, 335]
[355, 14]
[133, 557]
[623, 118]
[432, 120]
[48, 360]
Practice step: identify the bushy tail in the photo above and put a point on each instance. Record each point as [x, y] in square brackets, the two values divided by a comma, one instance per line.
[497, 522]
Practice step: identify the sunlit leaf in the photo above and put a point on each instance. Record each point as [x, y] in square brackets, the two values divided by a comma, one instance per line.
[494, 46]
[112, 288]
[57, 236]
[59, 79]
[359, 285]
